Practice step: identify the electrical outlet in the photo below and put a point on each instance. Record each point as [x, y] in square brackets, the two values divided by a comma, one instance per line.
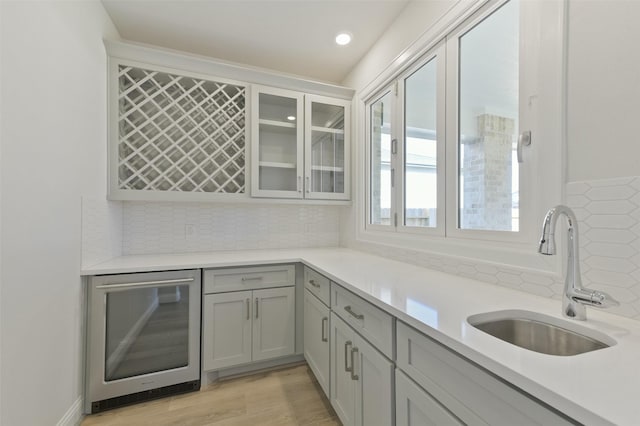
[189, 231]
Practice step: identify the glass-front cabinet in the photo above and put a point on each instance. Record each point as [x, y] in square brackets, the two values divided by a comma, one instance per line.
[300, 145]
[277, 154]
[326, 165]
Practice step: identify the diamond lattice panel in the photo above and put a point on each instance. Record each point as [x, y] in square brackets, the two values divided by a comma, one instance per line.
[179, 133]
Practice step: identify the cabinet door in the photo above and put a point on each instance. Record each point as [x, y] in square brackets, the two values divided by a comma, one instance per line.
[273, 322]
[343, 387]
[226, 330]
[326, 148]
[415, 407]
[316, 338]
[277, 143]
[373, 375]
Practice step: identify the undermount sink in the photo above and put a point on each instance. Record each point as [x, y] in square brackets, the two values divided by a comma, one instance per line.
[540, 333]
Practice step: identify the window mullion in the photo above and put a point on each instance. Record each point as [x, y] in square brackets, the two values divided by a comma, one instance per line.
[397, 154]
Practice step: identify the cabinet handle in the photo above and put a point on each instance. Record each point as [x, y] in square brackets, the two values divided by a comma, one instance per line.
[324, 338]
[308, 184]
[140, 284]
[299, 183]
[313, 283]
[346, 357]
[256, 308]
[353, 368]
[251, 278]
[248, 309]
[353, 314]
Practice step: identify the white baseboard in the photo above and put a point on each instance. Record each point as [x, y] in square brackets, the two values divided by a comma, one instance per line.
[73, 416]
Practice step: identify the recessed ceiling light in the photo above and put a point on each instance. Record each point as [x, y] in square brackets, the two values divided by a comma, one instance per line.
[291, 118]
[343, 38]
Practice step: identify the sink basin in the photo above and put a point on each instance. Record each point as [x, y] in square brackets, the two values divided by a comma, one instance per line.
[540, 333]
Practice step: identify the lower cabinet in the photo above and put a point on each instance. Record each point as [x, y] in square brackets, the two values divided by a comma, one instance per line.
[316, 338]
[472, 394]
[415, 407]
[245, 326]
[361, 379]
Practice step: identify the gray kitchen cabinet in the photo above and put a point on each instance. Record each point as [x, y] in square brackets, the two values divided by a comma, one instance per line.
[415, 407]
[226, 330]
[273, 323]
[470, 393]
[361, 379]
[256, 324]
[316, 338]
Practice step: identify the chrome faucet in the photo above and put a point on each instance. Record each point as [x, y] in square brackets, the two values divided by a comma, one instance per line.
[575, 298]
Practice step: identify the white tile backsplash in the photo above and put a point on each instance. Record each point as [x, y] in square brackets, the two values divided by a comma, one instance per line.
[156, 227]
[101, 230]
[608, 213]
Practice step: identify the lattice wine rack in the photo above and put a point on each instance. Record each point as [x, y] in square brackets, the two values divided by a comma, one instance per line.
[179, 133]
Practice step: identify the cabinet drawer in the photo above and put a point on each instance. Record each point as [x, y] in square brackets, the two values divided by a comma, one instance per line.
[238, 279]
[371, 322]
[318, 285]
[468, 391]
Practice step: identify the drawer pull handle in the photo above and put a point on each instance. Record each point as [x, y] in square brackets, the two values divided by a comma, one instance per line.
[251, 279]
[353, 368]
[346, 357]
[256, 308]
[313, 283]
[324, 337]
[248, 309]
[353, 314]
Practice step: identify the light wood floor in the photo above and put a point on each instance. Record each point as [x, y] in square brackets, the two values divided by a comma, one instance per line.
[289, 396]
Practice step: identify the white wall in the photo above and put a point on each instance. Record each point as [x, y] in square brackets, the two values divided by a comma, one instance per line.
[53, 135]
[603, 89]
[417, 17]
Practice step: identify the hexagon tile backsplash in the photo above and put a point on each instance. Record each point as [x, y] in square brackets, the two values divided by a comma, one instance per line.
[608, 213]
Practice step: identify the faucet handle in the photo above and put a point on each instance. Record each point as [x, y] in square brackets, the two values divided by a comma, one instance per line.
[598, 299]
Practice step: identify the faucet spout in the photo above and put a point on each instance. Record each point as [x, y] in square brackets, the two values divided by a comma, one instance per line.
[575, 298]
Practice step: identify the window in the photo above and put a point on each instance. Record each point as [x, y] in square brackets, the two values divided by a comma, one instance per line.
[442, 136]
[487, 131]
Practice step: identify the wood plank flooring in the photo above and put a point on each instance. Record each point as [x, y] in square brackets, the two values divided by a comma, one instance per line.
[289, 396]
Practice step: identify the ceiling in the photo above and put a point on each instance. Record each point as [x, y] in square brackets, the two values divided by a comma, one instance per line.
[291, 36]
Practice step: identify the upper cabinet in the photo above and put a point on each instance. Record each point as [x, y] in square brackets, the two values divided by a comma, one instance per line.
[277, 149]
[326, 148]
[300, 145]
[187, 128]
[175, 135]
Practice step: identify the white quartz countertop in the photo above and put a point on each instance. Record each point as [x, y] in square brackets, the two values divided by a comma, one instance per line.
[598, 387]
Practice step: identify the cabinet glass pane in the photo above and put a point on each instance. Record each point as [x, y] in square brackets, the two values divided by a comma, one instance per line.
[420, 153]
[380, 144]
[277, 142]
[327, 148]
[146, 331]
[488, 123]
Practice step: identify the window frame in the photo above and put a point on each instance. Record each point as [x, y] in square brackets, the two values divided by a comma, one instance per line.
[437, 53]
[546, 111]
[387, 89]
[453, 230]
